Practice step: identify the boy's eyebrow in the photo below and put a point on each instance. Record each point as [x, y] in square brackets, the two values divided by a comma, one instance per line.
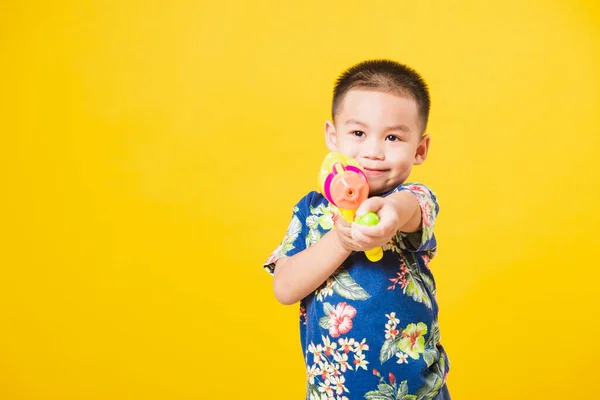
[400, 127]
[355, 121]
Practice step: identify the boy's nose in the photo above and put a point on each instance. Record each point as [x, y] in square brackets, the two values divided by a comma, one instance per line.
[373, 150]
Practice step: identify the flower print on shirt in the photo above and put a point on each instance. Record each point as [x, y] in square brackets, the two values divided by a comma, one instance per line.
[323, 217]
[338, 319]
[331, 363]
[410, 344]
[294, 229]
[410, 280]
[342, 283]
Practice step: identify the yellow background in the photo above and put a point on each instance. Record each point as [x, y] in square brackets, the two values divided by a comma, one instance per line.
[152, 152]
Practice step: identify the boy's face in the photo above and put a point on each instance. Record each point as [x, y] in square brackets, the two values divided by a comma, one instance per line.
[383, 132]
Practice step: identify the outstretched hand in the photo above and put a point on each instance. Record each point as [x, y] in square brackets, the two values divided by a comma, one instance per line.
[356, 237]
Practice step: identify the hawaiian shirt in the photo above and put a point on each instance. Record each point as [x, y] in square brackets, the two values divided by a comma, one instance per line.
[371, 330]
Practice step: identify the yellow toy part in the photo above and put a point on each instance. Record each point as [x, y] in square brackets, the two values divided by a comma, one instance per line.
[343, 182]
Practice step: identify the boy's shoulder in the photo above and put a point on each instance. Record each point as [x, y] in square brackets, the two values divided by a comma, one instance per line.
[310, 200]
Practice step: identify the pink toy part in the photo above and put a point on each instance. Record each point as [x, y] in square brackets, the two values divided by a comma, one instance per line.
[343, 182]
[346, 187]
[348, 190]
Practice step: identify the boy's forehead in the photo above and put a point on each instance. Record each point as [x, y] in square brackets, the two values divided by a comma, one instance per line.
[366, 100]
[366, 92]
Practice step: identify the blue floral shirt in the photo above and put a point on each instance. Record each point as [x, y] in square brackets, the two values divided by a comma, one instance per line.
[371, 330]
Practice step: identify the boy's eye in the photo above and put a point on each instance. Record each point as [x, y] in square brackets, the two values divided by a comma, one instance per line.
[358, 133]
[392, 138]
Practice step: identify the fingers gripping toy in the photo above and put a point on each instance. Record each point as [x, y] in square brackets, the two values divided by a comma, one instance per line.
[343, 182]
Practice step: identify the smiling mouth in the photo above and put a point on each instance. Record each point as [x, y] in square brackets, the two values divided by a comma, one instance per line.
[374, 171]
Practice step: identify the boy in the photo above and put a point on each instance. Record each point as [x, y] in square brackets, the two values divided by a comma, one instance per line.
[369, 329]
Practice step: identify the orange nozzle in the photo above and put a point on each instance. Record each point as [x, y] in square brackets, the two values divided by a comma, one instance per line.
[348, 190]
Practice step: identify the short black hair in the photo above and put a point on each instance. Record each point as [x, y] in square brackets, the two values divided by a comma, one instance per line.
[387, 76]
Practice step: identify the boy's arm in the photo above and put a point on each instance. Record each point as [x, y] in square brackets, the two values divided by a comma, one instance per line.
[296, 276]
[408, 210]
[398, 212]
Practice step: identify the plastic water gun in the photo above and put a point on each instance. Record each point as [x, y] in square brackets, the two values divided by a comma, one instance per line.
[343, 182]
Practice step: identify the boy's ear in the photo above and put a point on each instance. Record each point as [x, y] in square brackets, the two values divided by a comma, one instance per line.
[422, 150]
[330, 136]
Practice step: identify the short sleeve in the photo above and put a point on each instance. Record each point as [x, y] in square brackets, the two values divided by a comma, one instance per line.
[294, 240]
[423, 239]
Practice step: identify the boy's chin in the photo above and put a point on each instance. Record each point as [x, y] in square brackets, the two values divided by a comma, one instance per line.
[377, 188]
